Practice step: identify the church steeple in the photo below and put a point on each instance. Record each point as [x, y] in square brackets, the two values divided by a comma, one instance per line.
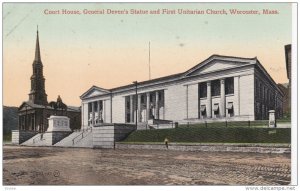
[37, 93]
[37, 57]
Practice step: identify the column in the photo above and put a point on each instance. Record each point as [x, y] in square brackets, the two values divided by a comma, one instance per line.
[156, 106]
[222, 99]
[148, 107]
[93, 113]
[131, 109]
[25, 128]
[34, 126]
[208, 99]
[237, 95]
[99, 117]
[19, 124]
[139, 109]
[104, 110]
[82, 115]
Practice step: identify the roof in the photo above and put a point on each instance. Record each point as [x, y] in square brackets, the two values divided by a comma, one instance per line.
[37, 106]
[240, 60]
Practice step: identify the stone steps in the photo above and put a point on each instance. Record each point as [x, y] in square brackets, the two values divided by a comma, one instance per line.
[85, 141]
[36, 140]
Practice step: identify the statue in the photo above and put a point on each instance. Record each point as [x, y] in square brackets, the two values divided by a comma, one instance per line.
[58, 105]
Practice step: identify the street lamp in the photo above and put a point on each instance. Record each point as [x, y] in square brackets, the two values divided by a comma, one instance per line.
[136, 103]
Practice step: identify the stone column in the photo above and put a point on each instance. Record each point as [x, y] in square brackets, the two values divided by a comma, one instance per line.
[222, 99]
[19, 124]
[156, 105]
[139, 109]
[131, 109]
[208, 99]
[34, 126]
[148, 107]
[82, 115]
[99, 117]
[104, 110]
[93, 113]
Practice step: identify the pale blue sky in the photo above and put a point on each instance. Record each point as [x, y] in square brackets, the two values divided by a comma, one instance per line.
[112, 50]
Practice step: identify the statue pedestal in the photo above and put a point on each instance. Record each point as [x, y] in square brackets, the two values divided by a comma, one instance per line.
[58, 123]
[58, 129]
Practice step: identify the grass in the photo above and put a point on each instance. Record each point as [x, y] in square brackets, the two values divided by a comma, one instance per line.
[194, 134]
[7, 137]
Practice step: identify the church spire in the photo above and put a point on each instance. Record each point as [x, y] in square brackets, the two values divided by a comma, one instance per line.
[37, 93]
[37, 57]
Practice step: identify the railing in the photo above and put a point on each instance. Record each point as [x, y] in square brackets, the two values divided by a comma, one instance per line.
[81, 135]
[208, 124]
[252, 124]
[39, 137]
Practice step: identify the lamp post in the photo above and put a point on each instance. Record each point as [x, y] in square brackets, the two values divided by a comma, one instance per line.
[136, 103]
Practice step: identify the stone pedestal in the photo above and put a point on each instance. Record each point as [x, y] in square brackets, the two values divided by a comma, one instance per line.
[58, 123]
[272, 119]
[59, 128]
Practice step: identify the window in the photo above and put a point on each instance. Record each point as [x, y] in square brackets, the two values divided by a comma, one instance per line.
[128, 104]
[159, 96]
[202, 90]
[128, 117]
[216, 109]
[215, 88]
[90, 107]
[95, 106]
[230, 109]
[151, 98]
[203, 110]
[142, 99]
[101, 105]
[229, 86]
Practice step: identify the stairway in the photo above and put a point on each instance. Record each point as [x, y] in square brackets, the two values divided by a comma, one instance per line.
[37, 140]
[77, 139]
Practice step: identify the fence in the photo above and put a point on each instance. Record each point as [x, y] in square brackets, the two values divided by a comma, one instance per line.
[254, 124]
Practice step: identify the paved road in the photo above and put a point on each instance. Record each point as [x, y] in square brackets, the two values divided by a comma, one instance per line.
[70, 166]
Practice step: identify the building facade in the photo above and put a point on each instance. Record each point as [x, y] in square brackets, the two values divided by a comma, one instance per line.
[34, 113]
[219, 88]
[288, 61]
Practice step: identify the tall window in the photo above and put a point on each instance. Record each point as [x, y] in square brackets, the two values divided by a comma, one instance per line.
[229, 86]
[215, 88]
[142, 99]
[159, 96]
[203, 90]
[101, 105]
[95, 106]
[90, 107]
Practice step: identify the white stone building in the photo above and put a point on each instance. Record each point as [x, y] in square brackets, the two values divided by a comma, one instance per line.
[219, 88]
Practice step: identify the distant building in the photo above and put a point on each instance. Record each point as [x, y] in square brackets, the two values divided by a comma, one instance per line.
[219, 88]
[34, 113]
[285, 100]
[288, 59]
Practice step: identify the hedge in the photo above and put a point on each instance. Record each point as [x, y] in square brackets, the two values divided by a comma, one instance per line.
[213, 135]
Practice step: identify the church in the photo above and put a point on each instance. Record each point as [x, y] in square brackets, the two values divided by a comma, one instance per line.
[34, 113]
[217, 89]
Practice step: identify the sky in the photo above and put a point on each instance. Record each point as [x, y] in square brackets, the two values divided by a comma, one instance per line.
[111, 50]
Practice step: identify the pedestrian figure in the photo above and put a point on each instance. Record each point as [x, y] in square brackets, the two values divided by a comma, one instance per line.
[166, 142]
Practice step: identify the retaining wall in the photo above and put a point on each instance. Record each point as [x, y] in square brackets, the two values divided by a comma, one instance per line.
[251, 148]
[106, 136]
[20, 136]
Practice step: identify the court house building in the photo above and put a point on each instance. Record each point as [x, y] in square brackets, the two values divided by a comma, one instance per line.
[217, 89]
